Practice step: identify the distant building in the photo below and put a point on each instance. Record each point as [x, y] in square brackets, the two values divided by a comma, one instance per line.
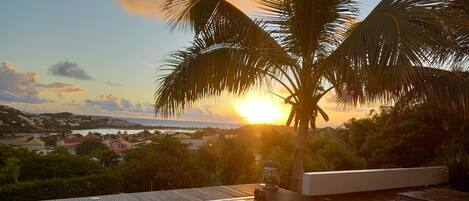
[142, 143]
[35, 144]
[214, 138]
[93, 136]
[118, 145]
[210, 138]
[71, 142]
[193, 144]
[182, 136]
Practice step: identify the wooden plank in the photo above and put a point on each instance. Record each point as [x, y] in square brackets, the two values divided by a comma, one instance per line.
[439, 194]
[193, 194]
[385, 195]
[244, 193]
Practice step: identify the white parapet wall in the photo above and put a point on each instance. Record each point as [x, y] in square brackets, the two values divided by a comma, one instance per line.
[338, 182]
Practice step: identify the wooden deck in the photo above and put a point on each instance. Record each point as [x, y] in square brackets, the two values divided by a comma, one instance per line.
[193, 194]
[383, 195]
[245, 193]
[434, 195]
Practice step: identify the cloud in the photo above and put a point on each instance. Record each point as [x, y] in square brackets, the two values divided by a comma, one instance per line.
[113, 84]
[59, 87]
[18, 86]
[247, 6]
[152, 8]
[69, 69]
[212, 112]
[147, 8]
[110, 103]
[118, 106]
[23, 87]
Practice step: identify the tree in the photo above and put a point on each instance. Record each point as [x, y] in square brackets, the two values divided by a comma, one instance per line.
[90, 146]
[50, 141]
[237, 162]
[312, 47]
[10, 173]
[412, 138]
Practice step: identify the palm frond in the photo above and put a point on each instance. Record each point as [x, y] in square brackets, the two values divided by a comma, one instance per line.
[222, 58]
[197, 14]
[379, 53]
[446, 90]
[458, 23]
[310, 28]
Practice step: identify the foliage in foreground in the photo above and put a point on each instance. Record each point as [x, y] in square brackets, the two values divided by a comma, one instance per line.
[61, 188]
[417, 137]
[398, 53]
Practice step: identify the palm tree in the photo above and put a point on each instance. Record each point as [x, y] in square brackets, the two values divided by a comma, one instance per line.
[310, 47]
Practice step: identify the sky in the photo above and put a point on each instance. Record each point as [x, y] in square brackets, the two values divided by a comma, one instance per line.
[102, 58]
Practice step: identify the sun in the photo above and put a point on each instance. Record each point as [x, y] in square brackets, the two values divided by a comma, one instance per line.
[259, 110]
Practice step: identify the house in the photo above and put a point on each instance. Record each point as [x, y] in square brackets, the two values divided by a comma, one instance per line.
[118, 145]
[35, 144]
[93, 136]
[142, 143]
[211, 138]
[71, 142]
[182, 136]
[193, 144]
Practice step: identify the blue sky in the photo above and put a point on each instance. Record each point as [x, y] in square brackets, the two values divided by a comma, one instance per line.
[118, 47]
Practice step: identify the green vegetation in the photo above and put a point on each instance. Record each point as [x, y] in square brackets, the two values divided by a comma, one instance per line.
[10, 172]
[61, 188]
[410, 141]
[392, 137]
[89, 147]
[398, 53]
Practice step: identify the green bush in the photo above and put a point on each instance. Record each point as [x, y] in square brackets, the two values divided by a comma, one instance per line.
[328, 154]
[386, 140]
[456, 157]
[9, 174]
[62, 188]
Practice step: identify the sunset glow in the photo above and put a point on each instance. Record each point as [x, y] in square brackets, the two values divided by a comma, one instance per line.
[259, 110]
[43, 70]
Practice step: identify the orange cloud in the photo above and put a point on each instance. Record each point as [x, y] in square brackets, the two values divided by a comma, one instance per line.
[147, 8]
[247, 6]
[59, 87]
[152, 8]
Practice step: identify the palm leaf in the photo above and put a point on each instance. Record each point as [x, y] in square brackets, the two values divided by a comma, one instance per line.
[310, 28]
[446, 90]
[323, 114]
[222, 58]
[379, 53]
[458, 21]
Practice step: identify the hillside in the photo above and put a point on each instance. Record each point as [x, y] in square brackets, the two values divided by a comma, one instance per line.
[14, 121]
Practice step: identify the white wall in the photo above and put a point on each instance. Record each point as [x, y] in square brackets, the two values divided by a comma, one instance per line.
[337, 182]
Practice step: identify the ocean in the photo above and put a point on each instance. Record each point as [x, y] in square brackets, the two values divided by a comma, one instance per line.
[177, 126]
[182, 124]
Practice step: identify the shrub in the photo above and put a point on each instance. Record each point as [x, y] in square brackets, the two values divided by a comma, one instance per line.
[456, 157]
[9, 174]
[62, 188]
[329, 154]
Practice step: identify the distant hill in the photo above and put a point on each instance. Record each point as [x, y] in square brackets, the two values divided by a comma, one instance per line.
[15, 121]
[260, 129]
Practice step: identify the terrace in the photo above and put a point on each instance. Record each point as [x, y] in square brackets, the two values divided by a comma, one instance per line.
[403, 184]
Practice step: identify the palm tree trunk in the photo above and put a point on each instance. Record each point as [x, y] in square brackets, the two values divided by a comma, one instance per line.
[296, 182]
